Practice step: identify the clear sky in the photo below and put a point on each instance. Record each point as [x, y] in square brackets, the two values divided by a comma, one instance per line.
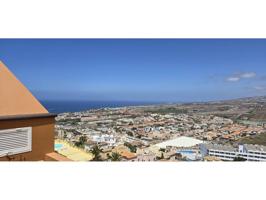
[167, 70]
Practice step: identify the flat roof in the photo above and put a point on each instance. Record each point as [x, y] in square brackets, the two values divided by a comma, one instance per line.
[220, 147]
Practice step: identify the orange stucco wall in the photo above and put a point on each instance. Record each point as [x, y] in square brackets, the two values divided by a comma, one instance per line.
[42, 137]
[15, 98]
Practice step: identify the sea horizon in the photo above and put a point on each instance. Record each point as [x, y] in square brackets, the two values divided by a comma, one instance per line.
[63, 106]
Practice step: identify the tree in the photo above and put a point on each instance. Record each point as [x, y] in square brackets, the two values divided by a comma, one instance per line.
[160, 157]
[83, 139]
[239, 159]
[131, 147]
[96, 151]
[114, 156]
[138, 136]
[81, 142]
[130, 134]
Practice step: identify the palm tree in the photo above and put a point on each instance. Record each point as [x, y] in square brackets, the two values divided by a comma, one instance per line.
[96, 151]
[114, 156]
[132, 148]
[81, 141]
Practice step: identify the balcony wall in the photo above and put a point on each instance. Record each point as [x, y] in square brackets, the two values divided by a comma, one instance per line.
[42, 135]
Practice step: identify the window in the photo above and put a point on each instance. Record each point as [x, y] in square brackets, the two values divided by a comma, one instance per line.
[15, 141]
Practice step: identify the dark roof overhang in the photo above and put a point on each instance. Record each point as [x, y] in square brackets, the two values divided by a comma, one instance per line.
[30, 116]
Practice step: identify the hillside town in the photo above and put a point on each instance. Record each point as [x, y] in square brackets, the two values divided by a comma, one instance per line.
[160, 133]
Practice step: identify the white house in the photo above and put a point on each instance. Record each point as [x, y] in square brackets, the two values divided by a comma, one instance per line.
[109, 139]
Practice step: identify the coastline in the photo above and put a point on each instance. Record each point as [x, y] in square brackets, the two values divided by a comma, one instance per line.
[79, 106]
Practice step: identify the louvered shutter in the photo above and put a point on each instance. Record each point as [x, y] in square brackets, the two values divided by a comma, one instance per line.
[15, 141]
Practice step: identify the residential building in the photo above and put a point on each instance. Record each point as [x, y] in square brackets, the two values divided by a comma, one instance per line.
[229, 153]
[26, 127]
[109, 139]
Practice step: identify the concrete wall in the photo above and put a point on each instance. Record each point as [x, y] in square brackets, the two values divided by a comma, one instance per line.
[42, 137]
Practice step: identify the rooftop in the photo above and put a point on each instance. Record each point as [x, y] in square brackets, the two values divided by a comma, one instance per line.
[221, 147]
[249, 147]
[180, 142]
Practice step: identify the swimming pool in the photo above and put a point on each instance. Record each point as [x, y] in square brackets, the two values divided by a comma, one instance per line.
[58, 146]
[186, 151]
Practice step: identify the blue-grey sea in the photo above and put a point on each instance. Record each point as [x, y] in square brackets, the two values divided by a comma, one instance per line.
[77, 106]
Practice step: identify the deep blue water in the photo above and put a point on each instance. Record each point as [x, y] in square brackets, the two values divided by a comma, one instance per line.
[77, 106]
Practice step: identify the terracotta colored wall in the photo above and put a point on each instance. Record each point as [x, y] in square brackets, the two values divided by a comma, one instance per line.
[16, 99]
[42, 137]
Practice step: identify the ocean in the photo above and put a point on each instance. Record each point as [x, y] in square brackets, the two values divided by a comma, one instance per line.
[77, 106]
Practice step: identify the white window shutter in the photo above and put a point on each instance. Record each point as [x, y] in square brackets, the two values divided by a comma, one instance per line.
[15, 141]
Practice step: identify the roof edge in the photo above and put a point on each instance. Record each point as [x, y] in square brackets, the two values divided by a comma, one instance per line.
[30, 116]
[30, 104]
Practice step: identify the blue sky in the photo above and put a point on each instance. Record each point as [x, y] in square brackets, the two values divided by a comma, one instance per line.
[168, 70]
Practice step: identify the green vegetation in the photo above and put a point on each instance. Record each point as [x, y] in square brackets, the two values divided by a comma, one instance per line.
[180, 129]
[239, 159]
[138, 136]
[117, 129]
[96, 151]
[257, 114]
[131, 147]
[257, 139]
[114, 156]
[130, 134]
[197, 121]
[72, 121]
[223, 108]
[81, 141]
[160, 157]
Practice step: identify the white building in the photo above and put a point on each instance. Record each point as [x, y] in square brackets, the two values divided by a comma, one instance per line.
[109, 139]
[190, 154]
[228, 153]
[145, 155]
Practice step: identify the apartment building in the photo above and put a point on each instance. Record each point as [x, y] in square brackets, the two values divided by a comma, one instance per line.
[229, 153]
[26, 127]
